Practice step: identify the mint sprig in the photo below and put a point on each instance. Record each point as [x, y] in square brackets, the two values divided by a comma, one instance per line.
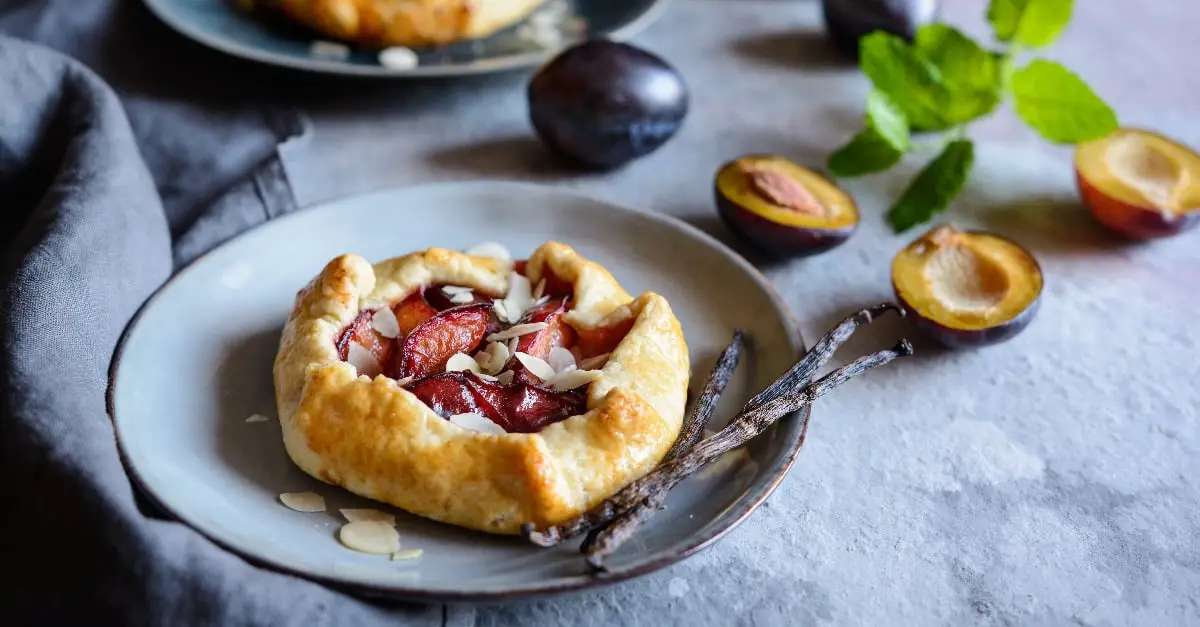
[945, 80]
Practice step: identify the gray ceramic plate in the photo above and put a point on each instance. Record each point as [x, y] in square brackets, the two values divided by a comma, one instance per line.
[197, 362]
[219, 24]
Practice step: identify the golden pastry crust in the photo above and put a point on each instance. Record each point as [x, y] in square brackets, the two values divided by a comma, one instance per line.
[414, 23]
[377, 440]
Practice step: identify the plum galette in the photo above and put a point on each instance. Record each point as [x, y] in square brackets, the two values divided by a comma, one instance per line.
[476, 390]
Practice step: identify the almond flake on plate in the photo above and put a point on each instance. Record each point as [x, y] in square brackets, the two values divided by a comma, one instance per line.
[560, 359]
[477, 422]
[594, 362]
[535, 365]
[504, 378]
[257, 418]
[489, 249]
[398, 58]
[329, 50]
[462, 361]
[362, 360]
[307, 502]
[406, 554]
[385, 323]
[370, 536]
[517, 330]
[572, 378]
[360, 515]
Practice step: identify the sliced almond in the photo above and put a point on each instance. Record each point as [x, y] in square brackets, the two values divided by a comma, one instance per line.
[461, 361]
[517, 330]
[374, 515]
[462, 298]
[486, 377]
[489, 249]
[501, 310]
[451, 290]
[404, 381]
[504, 378]
[513, 344]
[307, 502]
[257, 418]
[370, 536]
[519, 298]
[492, 359]
[406, 554]
[477, 422]
[572, 378]
[539, 290]
[384, 322]
[560, 359]
[362, 360]
[398, 58]
[535, 365]
[594, 362]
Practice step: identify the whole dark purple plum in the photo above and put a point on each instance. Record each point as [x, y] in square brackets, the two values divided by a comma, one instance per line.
[847, 21]
[603, 103]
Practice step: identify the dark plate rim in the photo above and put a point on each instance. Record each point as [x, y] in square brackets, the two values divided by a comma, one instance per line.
[329, 67]
[750, 500]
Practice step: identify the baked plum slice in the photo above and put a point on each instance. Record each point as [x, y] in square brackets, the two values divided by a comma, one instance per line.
[967, 288]
[360, 333]
[783, 209]
[412, 312]
[539, 343]
[1140, 184]
[426, 349]
[517, 408]
[601, 340]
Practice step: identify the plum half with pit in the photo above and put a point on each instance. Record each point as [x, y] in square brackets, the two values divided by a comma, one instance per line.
[783, 209]
[847, 21]
[603, 103]
[1140, 184]
[967, 288]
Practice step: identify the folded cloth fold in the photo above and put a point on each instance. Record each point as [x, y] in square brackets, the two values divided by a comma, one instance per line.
[90, 217]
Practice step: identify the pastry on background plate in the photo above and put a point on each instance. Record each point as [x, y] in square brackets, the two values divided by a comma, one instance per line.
[412, 23]
[476, 390]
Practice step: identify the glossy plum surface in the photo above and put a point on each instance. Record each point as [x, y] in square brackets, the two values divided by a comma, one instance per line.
[847, 21]
[602, 103]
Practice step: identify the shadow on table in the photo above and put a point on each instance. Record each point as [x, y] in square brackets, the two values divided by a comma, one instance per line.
[802, 49]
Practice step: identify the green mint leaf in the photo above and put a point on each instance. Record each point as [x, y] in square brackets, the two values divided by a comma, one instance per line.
[888, 121]
[1058, 104]
[868, 152]
[935, 187]
[1034, 23]
[963, 64]
[910, 81]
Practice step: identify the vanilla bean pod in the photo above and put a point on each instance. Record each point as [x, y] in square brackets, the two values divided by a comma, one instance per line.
[689, 433]
[742, 429]
[812, 361]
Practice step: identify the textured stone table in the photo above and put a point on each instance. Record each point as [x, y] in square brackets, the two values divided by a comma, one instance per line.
[1050, 480]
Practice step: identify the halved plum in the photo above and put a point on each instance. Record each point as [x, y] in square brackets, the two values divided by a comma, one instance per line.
[967, 288]
[360, 332]
[412, 312]
[1140, 184]
[517, 408]
[784, 209]
[539, 343]
[459, 330]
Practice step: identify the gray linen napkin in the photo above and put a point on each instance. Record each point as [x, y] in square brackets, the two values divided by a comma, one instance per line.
[98, 209]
